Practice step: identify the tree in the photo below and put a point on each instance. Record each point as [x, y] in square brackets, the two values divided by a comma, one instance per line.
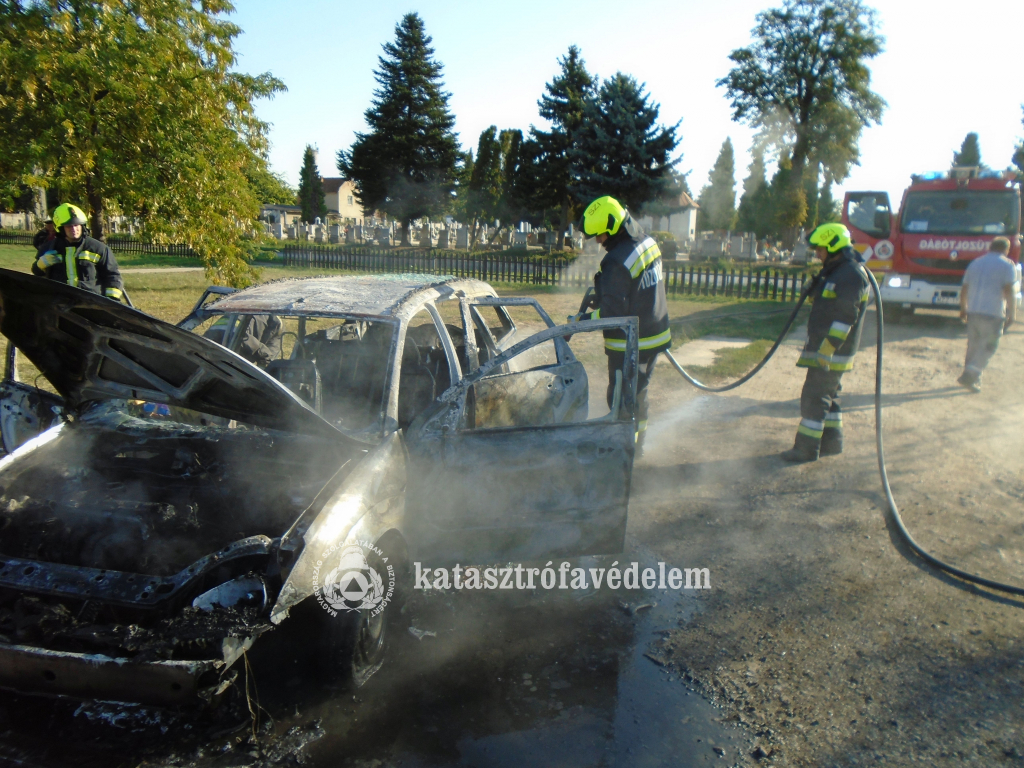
[970, 152]
[564, 107]
[805, 85]
[755, 209]
[717, 199]
[668, 203]
[311, 189]
[269, 188]
[1018, 154]
[485, 184]
[622, 151]
[406, 165]
[134, 108]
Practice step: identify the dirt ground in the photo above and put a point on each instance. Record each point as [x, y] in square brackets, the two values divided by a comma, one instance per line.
[823, 635]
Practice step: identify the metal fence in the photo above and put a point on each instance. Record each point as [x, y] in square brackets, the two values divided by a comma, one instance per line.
[681, 279]
[117, 244]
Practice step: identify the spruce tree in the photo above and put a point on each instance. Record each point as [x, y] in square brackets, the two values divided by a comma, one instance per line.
[970, 152]
[718, 198]
[485, 184]
[564, 107]
[311, 189]
[406, 164]
[754, 214]
[622, 151]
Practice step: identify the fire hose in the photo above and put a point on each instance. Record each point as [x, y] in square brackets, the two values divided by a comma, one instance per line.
[894, 511]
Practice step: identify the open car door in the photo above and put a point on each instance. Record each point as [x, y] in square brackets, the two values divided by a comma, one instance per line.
[524, 459]
[868, 216]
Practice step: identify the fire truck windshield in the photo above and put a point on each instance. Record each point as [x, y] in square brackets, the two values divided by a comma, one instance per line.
[961, 213]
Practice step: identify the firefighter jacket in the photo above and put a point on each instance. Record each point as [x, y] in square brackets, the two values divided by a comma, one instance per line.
[839, 296]
[629, 284]
[88, 264]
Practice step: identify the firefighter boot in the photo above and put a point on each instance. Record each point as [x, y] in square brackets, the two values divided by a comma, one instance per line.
[804, 449]
[831, 442]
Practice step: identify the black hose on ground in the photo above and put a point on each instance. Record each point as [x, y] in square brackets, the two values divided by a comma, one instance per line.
[880, 448]
[789, 324]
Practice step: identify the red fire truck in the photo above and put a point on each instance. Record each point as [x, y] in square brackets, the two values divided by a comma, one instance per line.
[946, 220]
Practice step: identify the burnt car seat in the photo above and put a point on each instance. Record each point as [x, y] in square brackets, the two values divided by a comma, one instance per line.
[301, 377]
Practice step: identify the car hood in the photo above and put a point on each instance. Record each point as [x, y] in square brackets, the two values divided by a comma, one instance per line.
[92, 348]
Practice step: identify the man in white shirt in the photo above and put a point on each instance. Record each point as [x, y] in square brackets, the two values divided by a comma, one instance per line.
[988, 303]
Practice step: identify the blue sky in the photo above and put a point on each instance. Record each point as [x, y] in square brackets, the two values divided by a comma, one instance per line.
[948, 68]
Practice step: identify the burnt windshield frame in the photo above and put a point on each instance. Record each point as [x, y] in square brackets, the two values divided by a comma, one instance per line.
[954, 220]
[296, 328]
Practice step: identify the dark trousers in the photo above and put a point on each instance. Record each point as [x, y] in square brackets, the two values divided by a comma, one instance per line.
[821, 418]
[643, 377]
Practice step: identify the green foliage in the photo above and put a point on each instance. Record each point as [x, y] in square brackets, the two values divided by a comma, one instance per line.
[755, 211]
[311, 189]
[666, 243]
[135, 108]
[407, 164]
[668, 202]
[717, 199]
[970, 152]
[1018, 154]
[485, 183]
[829, 209]
[269, 188]
[555, 153]
[788, 199]
[804, 84]
[622, 150]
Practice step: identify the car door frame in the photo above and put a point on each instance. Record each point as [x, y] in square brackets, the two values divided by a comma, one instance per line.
[14, 396]
[598, 451]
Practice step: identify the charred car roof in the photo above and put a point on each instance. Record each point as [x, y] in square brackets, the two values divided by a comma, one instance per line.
[370, 295]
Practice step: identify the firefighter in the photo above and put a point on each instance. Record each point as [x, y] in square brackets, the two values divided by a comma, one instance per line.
[77, 259]
[42, 238]
[840, 295]
[629, 284]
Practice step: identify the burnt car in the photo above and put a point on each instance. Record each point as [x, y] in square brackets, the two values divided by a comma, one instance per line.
[144, 549]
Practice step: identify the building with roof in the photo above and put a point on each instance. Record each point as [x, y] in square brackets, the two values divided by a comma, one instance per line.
[681, 223]
[340, 196]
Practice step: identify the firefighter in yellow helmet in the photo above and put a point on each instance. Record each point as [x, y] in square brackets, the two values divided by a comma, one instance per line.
[840, 296]
[629, 284]
[77, 259]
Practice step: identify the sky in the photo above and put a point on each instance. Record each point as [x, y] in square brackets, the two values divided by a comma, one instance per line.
[948, 68]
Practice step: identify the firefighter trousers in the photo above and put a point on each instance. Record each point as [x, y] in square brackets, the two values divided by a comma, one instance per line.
[643, 377]
[821, 417]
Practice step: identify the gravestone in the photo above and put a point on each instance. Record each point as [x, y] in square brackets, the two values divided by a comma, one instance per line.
[293, 232]
[350, 234]
[337, 233]
[442, 238]
[425, 240]
[278, 230]
[383, 236]
[319, 235]
[520, 238]
[462, 238]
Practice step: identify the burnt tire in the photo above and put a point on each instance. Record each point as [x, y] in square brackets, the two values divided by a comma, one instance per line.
[354, 644]
[353, 647]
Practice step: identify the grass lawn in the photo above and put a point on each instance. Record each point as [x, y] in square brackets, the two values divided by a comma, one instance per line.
[171, 295]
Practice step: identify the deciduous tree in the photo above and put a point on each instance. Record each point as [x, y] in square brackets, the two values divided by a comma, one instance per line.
[135, 108]
[311, 189]
[406, 164]
[805, 84]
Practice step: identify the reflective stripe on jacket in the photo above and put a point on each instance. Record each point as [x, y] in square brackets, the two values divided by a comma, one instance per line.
[630, 284]
[833, 328]
[89, 265]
